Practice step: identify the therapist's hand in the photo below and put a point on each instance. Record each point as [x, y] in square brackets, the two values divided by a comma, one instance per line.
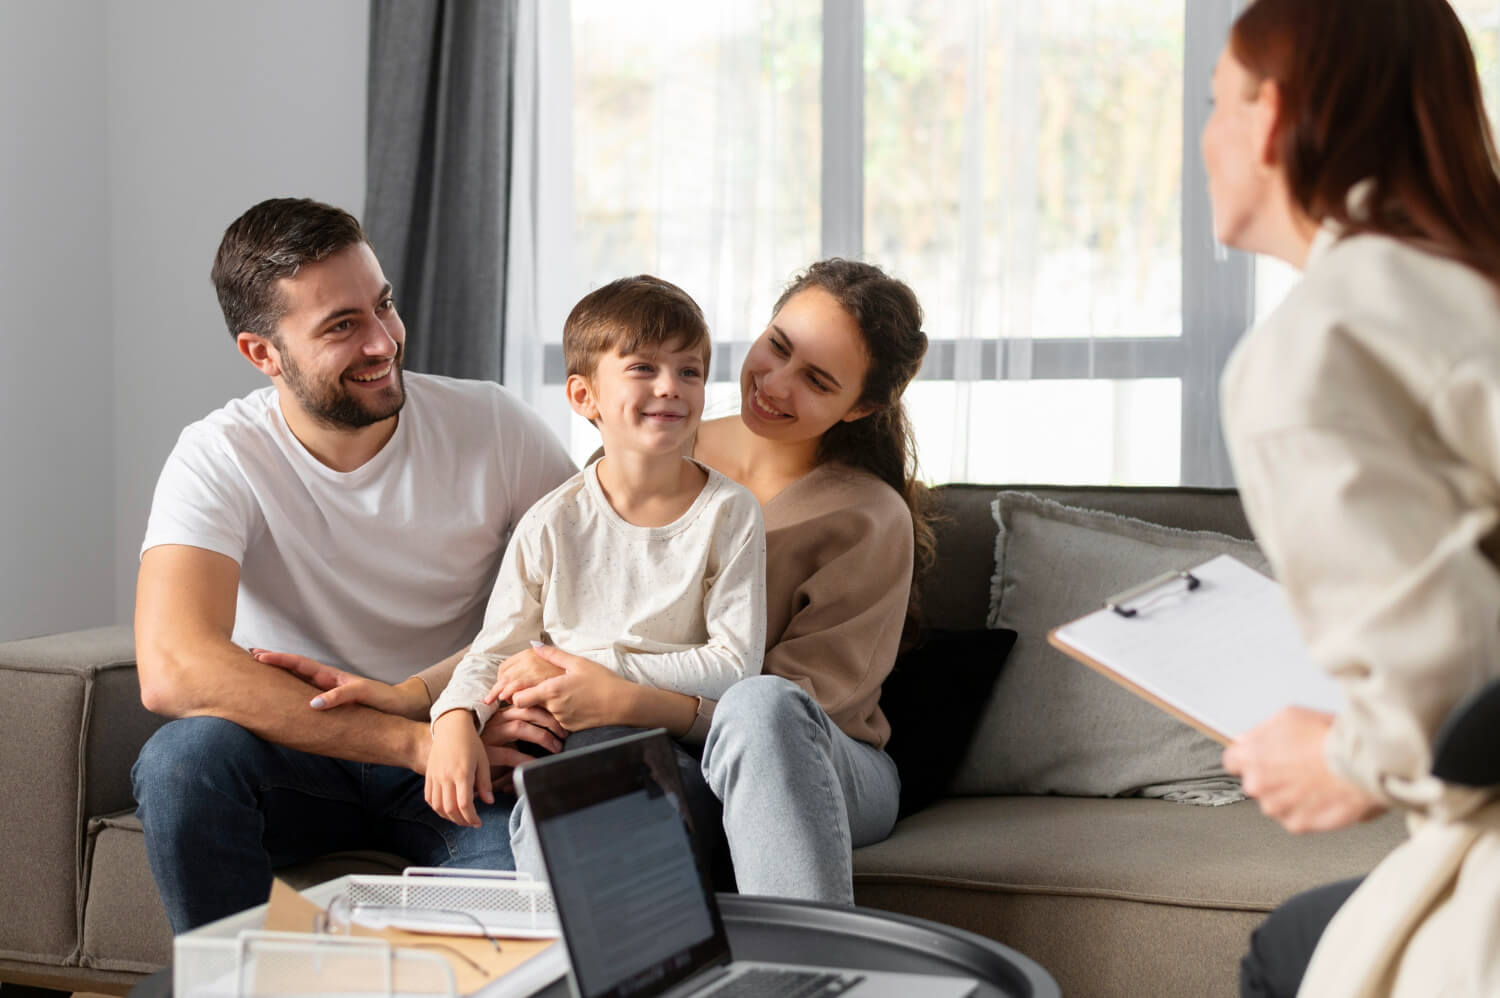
[1280, 763]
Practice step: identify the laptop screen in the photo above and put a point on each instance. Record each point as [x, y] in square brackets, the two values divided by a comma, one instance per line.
[636, 907]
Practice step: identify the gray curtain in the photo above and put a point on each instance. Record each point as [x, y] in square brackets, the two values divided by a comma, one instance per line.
[438, 155]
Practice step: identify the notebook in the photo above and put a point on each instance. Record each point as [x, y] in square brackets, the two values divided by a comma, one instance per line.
[632, 892]
[1216, 646]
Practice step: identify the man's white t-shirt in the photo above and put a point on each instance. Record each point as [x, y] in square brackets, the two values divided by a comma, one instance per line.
[383, 570]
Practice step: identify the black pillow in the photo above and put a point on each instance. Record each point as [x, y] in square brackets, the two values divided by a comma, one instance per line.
[934, 698]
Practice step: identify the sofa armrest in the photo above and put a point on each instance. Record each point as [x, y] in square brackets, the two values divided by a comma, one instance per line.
[70, 707]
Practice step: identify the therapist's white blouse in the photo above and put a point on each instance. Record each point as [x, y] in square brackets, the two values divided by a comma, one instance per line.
[1363, 419]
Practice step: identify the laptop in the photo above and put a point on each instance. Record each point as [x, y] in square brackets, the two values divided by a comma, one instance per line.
[633, 895]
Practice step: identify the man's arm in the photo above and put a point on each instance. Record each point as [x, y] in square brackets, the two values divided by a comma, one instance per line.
[189, 667]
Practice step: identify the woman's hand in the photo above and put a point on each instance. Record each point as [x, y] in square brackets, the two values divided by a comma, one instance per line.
[408, 698]
[580, 694]
[1280, 763]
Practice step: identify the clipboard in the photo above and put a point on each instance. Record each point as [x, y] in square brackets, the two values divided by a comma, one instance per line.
[1215, 646]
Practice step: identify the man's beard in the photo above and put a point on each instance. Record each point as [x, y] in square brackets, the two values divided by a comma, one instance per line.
[332, 404]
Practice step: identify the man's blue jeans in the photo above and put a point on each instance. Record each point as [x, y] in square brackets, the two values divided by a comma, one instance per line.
[222, 808]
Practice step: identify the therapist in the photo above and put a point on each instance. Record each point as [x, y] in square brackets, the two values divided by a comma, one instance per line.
[1349, 139]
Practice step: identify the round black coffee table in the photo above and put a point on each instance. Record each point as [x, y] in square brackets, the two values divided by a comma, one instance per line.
[867, 939]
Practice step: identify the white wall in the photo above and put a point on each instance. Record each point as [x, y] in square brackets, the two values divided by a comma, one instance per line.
[57, 404]
[149, 126]
[213, 105]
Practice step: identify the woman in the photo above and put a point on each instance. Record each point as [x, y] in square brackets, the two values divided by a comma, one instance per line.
[795, 755]
[1348, 138]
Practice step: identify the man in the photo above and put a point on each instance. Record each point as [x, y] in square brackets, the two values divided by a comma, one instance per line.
[348, 513]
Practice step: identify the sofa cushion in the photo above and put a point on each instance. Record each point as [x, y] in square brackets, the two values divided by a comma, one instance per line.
[1146, 850]
[956, 595]
[1114, 897]
[1053, 725]
[933, 699]
[124, 925]
[45, 702]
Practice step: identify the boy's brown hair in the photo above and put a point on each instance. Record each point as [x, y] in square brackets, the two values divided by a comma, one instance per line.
[629, 316]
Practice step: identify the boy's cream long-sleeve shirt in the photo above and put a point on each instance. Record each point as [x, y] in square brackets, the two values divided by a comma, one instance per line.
[680, 607]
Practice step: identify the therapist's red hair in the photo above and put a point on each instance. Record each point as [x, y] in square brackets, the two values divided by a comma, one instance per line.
[1384, 90]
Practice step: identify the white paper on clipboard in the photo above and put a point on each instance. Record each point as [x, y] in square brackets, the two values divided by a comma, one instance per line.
[1222, 656]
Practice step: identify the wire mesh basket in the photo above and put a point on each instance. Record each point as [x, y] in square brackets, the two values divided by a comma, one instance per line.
[462, 902]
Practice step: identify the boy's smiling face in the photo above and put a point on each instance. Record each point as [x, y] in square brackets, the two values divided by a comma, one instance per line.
[649, 402]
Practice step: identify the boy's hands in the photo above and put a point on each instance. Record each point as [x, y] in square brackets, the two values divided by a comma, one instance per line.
[406, 699]
[457, 767]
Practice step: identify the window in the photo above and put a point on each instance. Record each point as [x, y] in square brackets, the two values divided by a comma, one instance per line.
[1023, 169]
[1030, 167]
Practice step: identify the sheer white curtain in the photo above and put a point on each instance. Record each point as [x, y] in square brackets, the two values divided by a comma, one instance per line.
[1482, 19]
[1019, 165]
[689, 150]
[1024, 171]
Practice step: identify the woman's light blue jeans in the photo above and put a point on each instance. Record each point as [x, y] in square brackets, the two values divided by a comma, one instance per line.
[222, 808]
[797, 793]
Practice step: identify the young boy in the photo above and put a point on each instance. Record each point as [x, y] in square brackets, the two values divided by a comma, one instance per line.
[646, 561]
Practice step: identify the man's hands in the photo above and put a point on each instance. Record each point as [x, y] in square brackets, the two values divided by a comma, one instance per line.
[579, 692]
[1280, 763]
[518, 724]
[408, 698]
[457, 768]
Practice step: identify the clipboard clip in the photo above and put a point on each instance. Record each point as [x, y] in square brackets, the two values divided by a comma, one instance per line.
[1118, 602]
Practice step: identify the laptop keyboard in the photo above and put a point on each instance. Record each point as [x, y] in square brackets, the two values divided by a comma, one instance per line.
[769, 982]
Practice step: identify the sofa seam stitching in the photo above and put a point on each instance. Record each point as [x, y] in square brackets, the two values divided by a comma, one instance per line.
[80, 822]
[994, 887]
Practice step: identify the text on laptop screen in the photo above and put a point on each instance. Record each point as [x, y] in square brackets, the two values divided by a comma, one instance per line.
[632, 900]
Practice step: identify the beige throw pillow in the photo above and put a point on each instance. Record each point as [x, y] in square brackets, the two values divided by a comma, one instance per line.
[1053, 725]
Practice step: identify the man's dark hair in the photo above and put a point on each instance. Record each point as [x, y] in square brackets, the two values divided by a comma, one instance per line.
[271, 241]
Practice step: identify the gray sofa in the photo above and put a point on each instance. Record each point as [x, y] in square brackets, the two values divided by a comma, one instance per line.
[1115, 896]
